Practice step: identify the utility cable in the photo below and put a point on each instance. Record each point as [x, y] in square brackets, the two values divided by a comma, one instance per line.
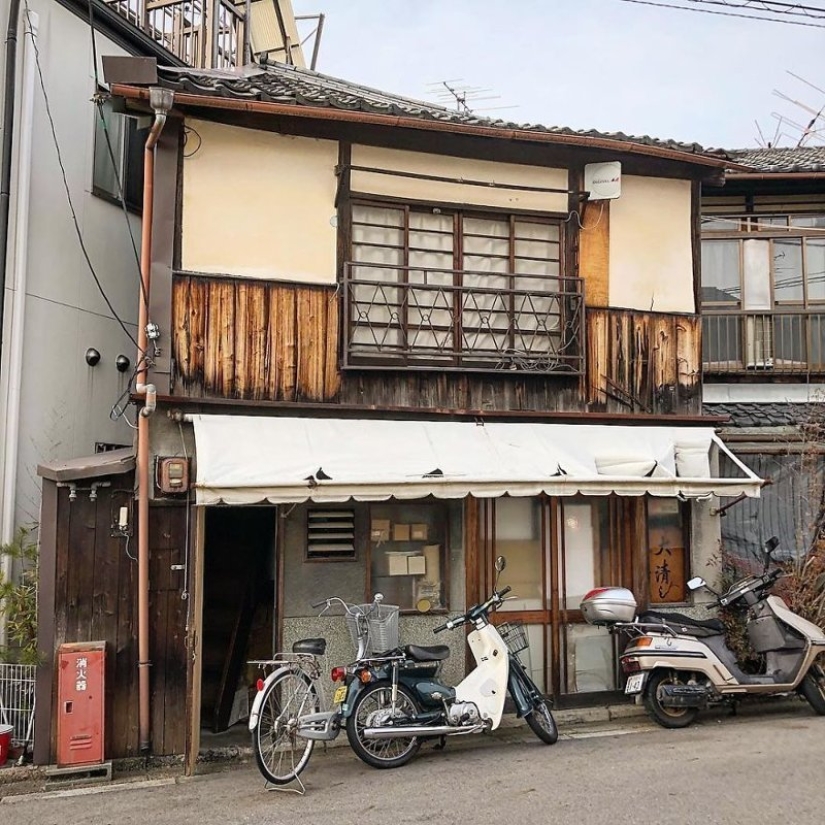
[120, 193]
[725, 13]
[68, 190]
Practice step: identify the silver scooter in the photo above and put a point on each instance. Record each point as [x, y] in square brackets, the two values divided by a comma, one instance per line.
[678, 665]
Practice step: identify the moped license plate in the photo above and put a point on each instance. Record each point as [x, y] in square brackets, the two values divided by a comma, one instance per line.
[635, 683]
[339, 695]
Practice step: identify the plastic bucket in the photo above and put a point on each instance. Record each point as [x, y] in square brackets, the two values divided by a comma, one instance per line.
[5, 742]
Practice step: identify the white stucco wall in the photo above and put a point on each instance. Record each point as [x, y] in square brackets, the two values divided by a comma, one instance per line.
[458, 168]
[259, 205]
[64, 404]
[651, 258]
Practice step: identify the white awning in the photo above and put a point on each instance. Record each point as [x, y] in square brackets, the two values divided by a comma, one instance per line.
[244, 460]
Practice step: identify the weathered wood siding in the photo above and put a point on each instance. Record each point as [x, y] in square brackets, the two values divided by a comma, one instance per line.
[255, 340]
[643, 362]
[95, 599]
[264, 341]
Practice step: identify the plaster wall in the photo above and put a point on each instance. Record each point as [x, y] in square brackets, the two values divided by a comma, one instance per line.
[458, 168]
[259, 205]
[651, 255]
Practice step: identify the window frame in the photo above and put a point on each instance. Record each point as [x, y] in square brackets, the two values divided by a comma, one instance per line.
[441, 515]
[749, 229]
[127, 148]
[569, 290]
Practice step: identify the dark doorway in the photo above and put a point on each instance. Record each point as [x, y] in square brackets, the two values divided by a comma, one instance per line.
[238, 608]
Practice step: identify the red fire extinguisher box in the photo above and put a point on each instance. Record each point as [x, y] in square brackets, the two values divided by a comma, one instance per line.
[80, 703]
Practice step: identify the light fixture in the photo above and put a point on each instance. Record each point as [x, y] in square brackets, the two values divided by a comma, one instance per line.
[92, 357]
[122, 363]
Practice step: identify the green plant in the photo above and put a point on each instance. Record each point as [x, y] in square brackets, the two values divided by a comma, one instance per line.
[18, 599]
[803, 584]
[732, 569]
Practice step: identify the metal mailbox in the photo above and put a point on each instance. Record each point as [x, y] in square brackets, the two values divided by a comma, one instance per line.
[80, 697]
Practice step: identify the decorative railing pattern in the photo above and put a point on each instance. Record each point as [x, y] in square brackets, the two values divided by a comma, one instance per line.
[430, 319]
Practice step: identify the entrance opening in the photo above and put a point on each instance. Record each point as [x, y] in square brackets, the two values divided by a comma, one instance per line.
[239, 594]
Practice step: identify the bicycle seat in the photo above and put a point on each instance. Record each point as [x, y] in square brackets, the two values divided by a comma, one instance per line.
[436, 653]
[312, 647]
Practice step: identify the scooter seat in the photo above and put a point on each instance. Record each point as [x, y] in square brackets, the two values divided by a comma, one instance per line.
[684, 624]
[436, 653]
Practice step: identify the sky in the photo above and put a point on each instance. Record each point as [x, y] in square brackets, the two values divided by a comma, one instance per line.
[600, 64]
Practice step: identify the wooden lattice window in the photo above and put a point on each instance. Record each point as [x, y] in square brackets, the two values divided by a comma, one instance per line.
[434, 287]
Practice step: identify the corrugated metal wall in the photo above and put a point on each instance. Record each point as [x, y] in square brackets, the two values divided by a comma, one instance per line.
[788, 508]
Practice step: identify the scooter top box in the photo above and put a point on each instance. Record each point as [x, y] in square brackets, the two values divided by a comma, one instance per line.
[606, 605]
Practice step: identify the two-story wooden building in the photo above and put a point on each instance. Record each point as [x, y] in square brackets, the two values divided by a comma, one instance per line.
[763, 308]
[396, 341]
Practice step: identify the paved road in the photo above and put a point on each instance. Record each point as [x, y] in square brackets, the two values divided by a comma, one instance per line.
[768, 769]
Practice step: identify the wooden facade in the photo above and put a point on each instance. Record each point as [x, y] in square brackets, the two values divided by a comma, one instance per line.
[250, 340]
[89, 585]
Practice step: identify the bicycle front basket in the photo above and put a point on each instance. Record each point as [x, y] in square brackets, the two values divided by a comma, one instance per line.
[380, 623]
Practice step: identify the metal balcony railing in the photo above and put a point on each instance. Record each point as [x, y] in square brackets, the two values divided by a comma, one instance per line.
[782, 341]
[205, 34]
[436, 319]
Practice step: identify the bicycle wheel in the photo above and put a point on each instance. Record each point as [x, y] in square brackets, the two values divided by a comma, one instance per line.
[373, 708]
[279, 752]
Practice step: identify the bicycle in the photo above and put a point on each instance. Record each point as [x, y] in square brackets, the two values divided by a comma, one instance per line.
[290, 713]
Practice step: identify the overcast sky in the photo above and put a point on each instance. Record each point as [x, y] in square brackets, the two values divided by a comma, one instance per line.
[600, 64]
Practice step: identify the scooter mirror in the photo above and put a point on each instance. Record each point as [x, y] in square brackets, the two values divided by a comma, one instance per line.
[771, 544]
[501, 563]
[695, 584]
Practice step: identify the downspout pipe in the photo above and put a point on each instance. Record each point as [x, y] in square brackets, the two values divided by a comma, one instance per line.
[161, 102]
[9, 82]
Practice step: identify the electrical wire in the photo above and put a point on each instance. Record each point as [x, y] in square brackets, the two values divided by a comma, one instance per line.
[725, 13]
[120, 194]
[186, 132]
[78, 232]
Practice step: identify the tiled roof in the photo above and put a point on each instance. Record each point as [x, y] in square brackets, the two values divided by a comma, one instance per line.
[799, 159]
[279, 83]
[762, 415]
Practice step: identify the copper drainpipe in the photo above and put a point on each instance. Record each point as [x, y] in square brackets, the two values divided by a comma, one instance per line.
[161, 102]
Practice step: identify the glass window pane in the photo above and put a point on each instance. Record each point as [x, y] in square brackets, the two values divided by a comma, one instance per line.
[585, 547]
[408, 554]
[720, 272]
[787, 270]
[766, 222]
[590, 660]
[518, 539]
[107, 175]
[815, 268]
[720, 224]
[805, 221]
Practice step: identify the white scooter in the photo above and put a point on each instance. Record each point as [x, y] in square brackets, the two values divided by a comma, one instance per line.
[677, 664]
[394, 702]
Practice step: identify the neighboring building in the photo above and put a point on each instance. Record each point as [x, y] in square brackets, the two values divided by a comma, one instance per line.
[395, 342]
[763, 307]
[53, 403]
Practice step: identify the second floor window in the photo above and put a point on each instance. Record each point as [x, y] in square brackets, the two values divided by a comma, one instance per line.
[763, 293]
[431, 287]
[120, 170]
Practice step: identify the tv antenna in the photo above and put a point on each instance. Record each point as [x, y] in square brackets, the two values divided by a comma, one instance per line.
[456, 92]
[811, 131]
